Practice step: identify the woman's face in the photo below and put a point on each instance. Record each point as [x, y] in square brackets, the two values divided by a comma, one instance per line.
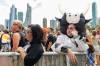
[71, 30]
[15, 27]
[29, 35]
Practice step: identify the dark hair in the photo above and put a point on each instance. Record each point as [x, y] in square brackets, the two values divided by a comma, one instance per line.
[37, 33]
[91, 48]
[30, 25]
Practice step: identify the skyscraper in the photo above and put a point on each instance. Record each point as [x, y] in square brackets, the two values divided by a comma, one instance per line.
[20, 16]
[45, 22]
[13, 15]
[6, 23]
[28, 16]
[2, 27]
[53, 24]
[94, 14]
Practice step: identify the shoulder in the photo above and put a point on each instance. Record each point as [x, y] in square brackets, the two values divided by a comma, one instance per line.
[16, 35]
[35, 47]
[61, 38]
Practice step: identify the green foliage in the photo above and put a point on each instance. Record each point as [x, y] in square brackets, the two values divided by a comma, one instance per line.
[98, 26]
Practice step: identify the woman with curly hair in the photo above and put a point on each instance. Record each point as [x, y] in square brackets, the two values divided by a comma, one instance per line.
[35, 50]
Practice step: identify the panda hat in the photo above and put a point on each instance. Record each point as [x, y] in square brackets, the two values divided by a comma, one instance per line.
[77, 19]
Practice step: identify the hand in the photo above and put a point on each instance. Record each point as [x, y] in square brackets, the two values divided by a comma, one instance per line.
[49, 45]
[20, 49]
[74, 33]
[72, 56]
[22, 52]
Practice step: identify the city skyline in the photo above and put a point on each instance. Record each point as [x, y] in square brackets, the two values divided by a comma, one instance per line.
[40, 9]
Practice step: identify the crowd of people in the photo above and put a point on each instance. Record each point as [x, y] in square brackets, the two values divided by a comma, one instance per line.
[71, 37]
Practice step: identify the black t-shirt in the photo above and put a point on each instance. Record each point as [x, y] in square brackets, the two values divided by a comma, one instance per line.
[34, 53]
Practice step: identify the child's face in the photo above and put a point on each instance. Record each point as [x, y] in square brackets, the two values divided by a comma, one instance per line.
[71, 30]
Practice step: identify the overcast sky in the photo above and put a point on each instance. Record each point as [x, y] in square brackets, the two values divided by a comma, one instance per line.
[47, 8]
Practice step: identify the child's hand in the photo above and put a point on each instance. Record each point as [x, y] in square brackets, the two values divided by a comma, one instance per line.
[74, 33]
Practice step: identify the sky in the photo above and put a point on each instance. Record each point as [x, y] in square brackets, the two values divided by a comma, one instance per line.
[47, 8]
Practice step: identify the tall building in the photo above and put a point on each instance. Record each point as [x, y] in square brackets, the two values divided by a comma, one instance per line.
[6, 23]
[2, 27]
[94, 14]
[28, 16]
[20, 16]
[53, 24]
[13, 15]
[45, 22]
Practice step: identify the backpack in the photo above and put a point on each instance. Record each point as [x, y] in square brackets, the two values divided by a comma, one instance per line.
[5, 42]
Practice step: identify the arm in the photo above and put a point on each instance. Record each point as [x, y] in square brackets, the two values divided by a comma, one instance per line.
[82, 45]
[15, 41]
[59, 47]
[58, 44]
[22, 52]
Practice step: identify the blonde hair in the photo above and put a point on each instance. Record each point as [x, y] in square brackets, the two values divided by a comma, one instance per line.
[18, 23]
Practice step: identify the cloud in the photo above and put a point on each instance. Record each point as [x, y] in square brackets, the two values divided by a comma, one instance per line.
[41, 8]
[5, 2]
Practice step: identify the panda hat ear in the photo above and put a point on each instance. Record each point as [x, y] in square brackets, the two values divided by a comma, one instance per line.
[86, 21]
[63, 23]
[82, 17]
[58, 19]
[63, 18]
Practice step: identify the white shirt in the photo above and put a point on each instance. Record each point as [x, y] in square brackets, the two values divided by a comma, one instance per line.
[65, 41]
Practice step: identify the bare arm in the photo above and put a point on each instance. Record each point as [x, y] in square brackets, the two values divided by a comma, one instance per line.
[15, 41]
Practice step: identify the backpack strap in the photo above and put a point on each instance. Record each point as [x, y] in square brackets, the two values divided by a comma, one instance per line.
[1, 38]
[22, 42]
